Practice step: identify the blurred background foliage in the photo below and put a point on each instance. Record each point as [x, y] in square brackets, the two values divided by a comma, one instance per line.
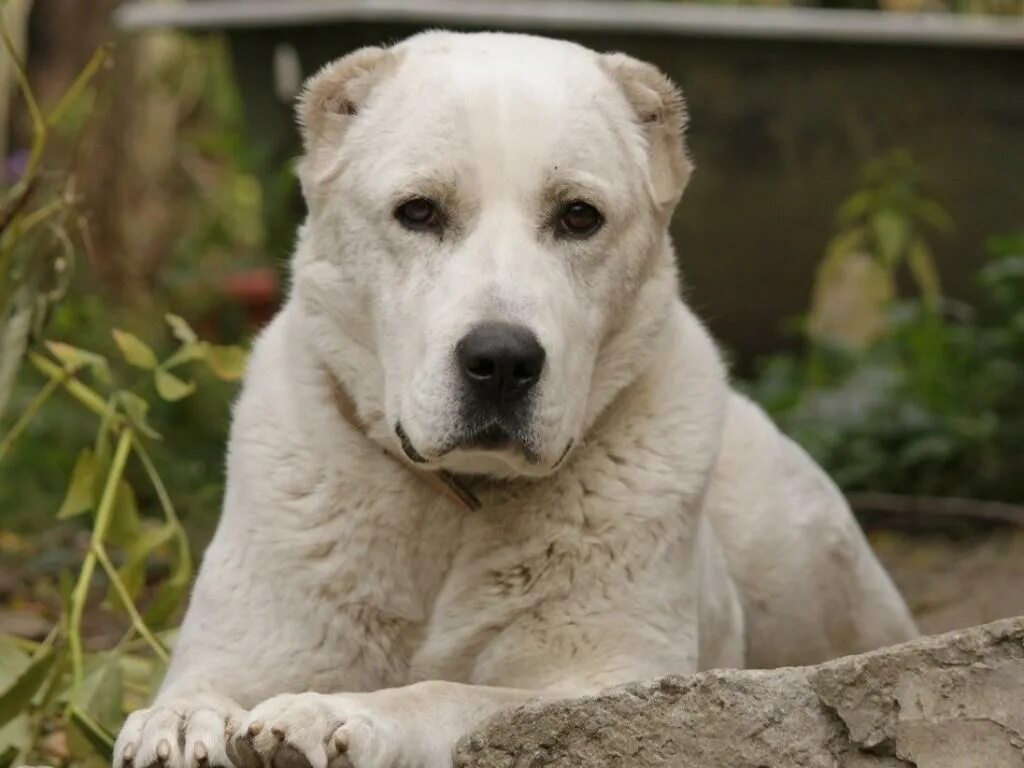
[173, 220]
[906, 394]
[164, 206]
[92, 587]
[1010, 7]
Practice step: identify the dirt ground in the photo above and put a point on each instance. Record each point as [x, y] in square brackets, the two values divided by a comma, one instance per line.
[951, 582]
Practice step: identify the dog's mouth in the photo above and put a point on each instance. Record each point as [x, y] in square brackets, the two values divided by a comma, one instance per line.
[407, 447]
[493, 436]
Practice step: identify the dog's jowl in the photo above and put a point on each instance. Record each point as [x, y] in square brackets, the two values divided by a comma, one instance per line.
[485, 452]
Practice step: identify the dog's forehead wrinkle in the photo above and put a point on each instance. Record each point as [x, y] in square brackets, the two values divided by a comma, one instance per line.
[502, 121]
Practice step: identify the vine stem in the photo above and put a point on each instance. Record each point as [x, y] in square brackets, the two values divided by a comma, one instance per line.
[184, 550]
[129, 605]
[33, 408]
[18, 194]
[81, 591]
[158, 485]
[82, 393]
[99, 58]
[127, 440]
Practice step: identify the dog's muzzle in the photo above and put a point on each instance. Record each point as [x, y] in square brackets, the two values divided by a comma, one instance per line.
[500, 365]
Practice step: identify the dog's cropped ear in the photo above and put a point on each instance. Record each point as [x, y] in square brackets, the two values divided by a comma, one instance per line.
[661, 111]
[332, 97]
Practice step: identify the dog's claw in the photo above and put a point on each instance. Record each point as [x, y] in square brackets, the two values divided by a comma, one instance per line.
[186, 733]
[278, 731]
[255, 727]
[341, 742]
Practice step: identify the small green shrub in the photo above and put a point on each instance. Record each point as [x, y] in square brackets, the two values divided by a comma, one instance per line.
[932, 400]
[60, 699]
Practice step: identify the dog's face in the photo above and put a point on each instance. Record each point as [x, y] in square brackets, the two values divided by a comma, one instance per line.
[484, 210]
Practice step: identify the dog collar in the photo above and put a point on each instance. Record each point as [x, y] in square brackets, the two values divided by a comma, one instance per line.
[444, 483]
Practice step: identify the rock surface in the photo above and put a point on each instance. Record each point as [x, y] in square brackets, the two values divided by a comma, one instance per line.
[951, 701]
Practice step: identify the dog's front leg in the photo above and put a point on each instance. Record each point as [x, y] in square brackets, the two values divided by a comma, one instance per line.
[415, 726]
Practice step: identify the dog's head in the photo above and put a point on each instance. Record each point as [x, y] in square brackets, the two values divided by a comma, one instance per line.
[485, 258]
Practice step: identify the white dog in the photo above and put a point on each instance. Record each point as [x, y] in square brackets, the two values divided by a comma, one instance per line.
[485, 306]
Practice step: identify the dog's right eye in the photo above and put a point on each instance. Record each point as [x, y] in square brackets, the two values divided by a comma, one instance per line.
[579, 220]
[420, 214]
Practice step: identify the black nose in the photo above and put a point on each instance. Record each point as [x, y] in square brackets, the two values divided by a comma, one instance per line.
[500, 362]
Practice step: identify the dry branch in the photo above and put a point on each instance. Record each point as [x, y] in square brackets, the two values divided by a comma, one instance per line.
[943, 506]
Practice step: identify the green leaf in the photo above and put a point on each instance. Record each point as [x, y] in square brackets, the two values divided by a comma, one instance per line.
[845, 242]
[934, 214]
[99, 737]
[124, 520]
[134, 350]
[922, 267]
[142, 675]
[227, 363]
[854, 207]
[890, 231]
[186, 354]
[15, 741]
[17, 695]
[182, 330]
[74, 359]
[56, 682]
[137, 408]
[170, 594]
[13, 659]
[165, 602]
[79, 497]
[170, 387]
[133, 572]
[102, 691]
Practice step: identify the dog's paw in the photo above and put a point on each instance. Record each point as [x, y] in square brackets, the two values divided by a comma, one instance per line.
[181, 733]
[313, 730]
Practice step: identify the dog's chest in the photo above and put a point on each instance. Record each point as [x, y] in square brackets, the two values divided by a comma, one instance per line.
[365, 552]
[429, 586]
[583, 542]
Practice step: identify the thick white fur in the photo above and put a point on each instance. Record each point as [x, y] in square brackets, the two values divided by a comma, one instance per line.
[682, 531]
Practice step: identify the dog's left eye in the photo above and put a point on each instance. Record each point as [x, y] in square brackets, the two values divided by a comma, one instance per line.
[420, 214]
[579, 219]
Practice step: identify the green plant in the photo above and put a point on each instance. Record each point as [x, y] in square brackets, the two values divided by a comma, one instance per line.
[164, 223]
[59, 682]
[60, 699]
[883, 228]
[36, 251]
[929, 402]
